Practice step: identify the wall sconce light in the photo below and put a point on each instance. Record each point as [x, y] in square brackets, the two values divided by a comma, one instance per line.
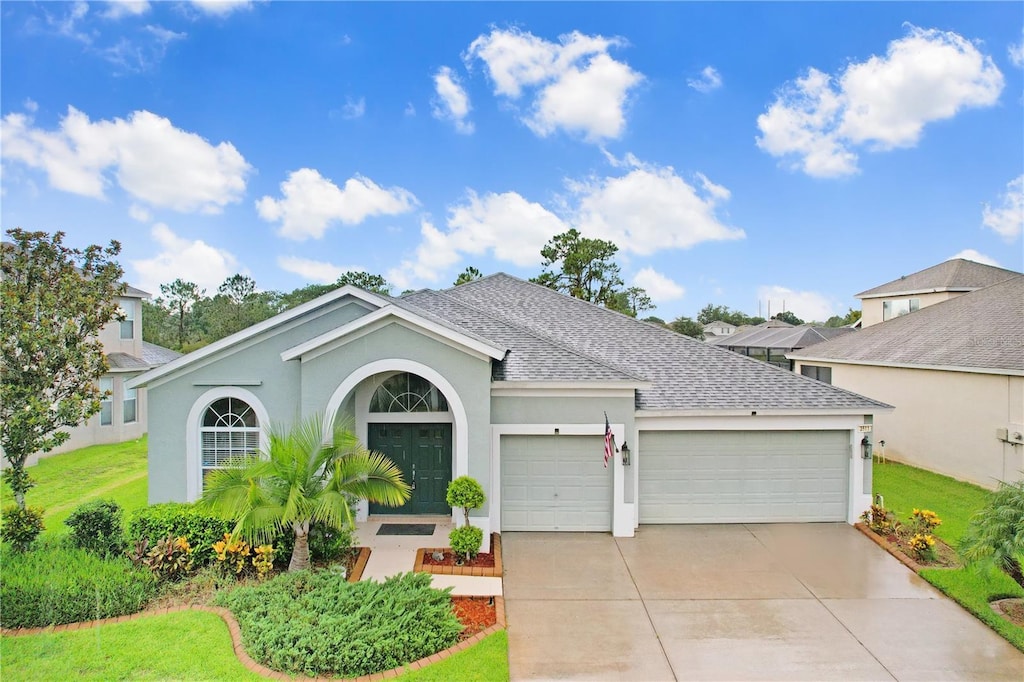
[865, 448]
[625, 454]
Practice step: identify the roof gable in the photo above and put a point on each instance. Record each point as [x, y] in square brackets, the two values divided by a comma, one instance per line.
[957, 274]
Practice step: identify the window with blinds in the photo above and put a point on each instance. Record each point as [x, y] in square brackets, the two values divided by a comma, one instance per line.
[230, 432]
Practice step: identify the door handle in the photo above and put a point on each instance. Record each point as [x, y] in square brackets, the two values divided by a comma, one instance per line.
[414, 477]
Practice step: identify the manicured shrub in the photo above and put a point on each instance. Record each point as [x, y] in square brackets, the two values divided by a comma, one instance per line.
[55, 585]
[317, 623]
[465, 492]
[21, 527]
[96, 526]
[200, 528]
[170, 559]
[466, 541]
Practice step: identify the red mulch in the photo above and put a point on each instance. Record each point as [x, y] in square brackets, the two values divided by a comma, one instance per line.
[481, 560]
[475, 613]
[945, 556]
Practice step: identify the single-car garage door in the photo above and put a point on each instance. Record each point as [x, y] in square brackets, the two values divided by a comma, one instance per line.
[555, 483]
[740, 476]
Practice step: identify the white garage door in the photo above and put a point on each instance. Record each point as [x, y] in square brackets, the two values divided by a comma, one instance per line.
[555, 483]
[740, 476]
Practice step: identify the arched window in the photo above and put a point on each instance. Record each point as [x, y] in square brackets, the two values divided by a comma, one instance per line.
[407, 392]
[229, 431]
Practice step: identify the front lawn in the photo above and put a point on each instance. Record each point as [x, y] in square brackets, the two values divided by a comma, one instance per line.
[906, 488]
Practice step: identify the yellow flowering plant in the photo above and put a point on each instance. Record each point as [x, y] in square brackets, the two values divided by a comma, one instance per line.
[232, 554]
[264, 560]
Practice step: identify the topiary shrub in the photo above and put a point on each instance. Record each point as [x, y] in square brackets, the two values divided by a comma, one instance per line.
[200, 528]
[317, 623]
[96, 527]
[466, 541]
[55, 585]
[21, 527]
[465, 492]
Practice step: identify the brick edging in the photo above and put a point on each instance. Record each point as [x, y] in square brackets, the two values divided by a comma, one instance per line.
[420, 567]
[250, 664]
[360, 565]
[885, 544]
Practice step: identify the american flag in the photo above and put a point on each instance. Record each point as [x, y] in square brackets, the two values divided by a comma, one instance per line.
[609, 441]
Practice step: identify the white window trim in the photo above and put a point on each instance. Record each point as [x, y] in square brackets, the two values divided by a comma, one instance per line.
[124, 401]
[193, 447]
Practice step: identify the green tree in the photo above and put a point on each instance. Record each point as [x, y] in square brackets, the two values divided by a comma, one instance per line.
[656, 320]
[586, 268]
[995, 534]
[711, 313]
[157, 325]
[631, 301]
[364, 280]
[299, 480]
[181, 296]
[844, 321]
[788, 317]
[687, 327]
[55, 300]
[467, 275]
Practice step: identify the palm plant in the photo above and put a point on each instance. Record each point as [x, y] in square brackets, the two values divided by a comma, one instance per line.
[996, 532]
[300, 479]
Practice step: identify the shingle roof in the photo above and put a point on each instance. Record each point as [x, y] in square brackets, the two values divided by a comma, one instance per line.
[126, 361]
[685, 374]
[156, 355]
[785, 338]
[957, 274]
[982, 329]
[132, 292]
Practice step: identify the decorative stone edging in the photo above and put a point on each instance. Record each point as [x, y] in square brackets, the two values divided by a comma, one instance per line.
[884, 544]
[250, 664]
[360, 565]
[495, 572]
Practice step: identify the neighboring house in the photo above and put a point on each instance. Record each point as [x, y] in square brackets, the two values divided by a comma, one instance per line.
[774, 340]
[510, 382]
[954, 372]
[719, 328]
[123, 415]
[929, 286]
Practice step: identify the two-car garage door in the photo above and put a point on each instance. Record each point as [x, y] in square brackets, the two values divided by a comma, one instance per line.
[743, 476]
[559, 483]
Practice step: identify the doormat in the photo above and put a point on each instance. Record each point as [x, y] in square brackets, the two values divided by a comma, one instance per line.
[406, 529]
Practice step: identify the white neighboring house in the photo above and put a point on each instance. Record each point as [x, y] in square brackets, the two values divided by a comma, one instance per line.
[719, 328]
[124, 414]
[954, 371]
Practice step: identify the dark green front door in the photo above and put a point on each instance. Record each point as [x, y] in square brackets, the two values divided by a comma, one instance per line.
[424, 454]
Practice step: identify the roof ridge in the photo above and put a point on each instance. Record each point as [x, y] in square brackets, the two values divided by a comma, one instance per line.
[543, 337]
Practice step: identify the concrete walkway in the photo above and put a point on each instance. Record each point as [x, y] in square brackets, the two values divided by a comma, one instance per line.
[735, 602]
[392, 554]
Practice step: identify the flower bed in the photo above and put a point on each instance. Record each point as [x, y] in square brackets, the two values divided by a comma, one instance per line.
[483, 564]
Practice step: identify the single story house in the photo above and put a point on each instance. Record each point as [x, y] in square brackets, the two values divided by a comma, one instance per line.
[954, 370]
[936, 284]
[774, 340]
[511, 383]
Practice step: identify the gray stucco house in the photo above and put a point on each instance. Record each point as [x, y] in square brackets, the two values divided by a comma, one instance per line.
[509, 382]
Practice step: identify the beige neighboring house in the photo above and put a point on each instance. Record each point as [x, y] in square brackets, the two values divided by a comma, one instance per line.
[932, 285]
[719, 328]
[954, 371]
[123, 415]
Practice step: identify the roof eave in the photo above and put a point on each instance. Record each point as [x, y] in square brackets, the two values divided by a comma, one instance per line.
[909, 292]
[908, 365]
[770, 412]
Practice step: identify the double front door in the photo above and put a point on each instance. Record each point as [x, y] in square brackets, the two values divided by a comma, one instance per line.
[424, 454]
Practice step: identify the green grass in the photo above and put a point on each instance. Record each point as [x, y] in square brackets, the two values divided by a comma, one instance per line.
[190, 645]
[905, 488]
[63, 482]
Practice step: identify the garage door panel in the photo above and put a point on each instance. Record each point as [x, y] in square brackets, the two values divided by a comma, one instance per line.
[743, 476]
[562, 483]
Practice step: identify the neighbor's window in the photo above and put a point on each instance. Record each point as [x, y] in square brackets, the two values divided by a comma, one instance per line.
[822, 374]
[230, 431]
[891, 309]
[107, 401]
[408, 393]
[128, 323]
[129, 403]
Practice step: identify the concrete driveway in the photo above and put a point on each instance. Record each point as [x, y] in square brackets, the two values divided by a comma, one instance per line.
[735, 602]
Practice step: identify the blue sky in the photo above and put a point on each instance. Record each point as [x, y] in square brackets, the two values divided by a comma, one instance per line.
[735, 153]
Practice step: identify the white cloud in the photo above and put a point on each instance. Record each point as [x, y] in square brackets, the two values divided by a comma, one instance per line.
[193, 261]
[139, 213]
[318, 271]
[353, 109]
[646, 210]
[31, 105]
[1007, 220]
[410, 109]
[807, 305]
[311, 203]
[1016, 54]
[139, 56]
[881, 103]
[709, 80]
[144, 154]
[574, 84]
[451, 102]
[118, 9]
[659, 287]
[650, 209]
[971, 254]
[221, 8]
